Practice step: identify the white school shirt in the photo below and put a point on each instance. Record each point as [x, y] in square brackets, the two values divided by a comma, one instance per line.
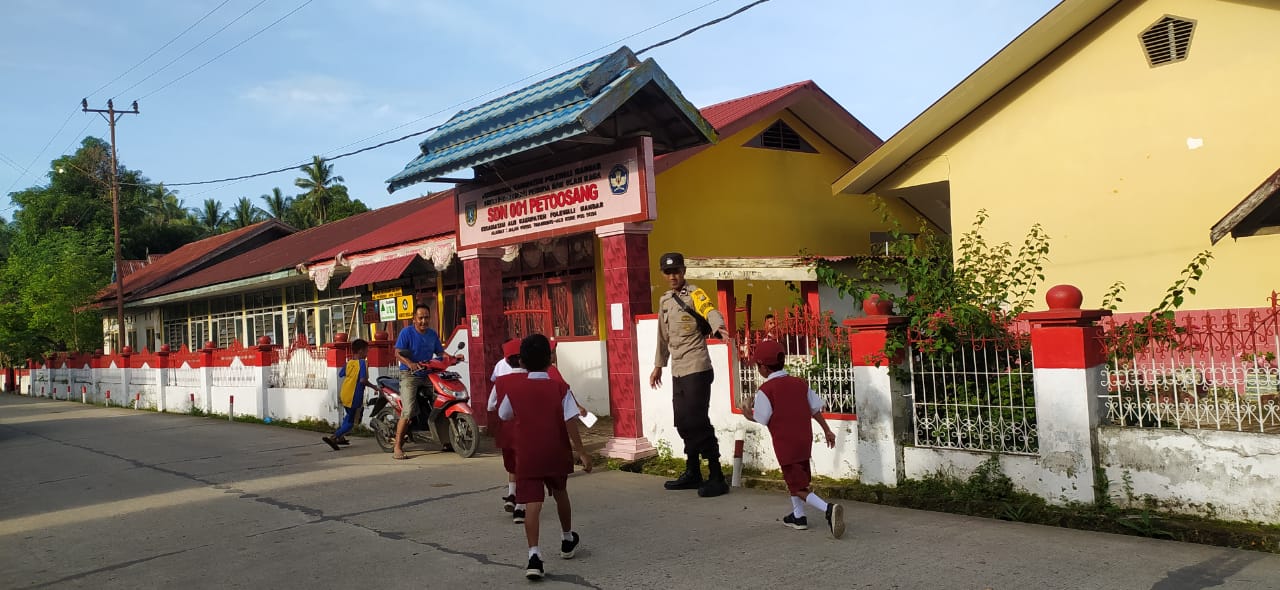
[569, 406]
[764, 409]
[500, 369]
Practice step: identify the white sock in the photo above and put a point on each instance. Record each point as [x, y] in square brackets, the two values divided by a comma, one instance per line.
[567, 535]
[797, 507]
[816, 502]
[534, 551]
[511, 488]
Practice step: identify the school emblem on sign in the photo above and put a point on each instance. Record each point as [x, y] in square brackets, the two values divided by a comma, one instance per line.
[470, 211]
[618, 179]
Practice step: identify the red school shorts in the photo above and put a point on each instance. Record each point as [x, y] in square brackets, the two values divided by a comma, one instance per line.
[797, 476]
[531, 490]
[509, 460]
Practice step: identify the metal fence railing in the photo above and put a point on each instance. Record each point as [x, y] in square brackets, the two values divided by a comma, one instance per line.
[1214, 369]
[977, 395]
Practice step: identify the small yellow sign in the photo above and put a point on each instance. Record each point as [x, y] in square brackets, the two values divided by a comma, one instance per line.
[387, 293]
[404, 307]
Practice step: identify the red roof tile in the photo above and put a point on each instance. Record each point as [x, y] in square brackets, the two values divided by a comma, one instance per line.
[387, 270]
[188, 258]
[393, 222]
[732, 116]
[434, 216]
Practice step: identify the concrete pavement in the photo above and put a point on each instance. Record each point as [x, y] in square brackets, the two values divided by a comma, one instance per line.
[110, 498]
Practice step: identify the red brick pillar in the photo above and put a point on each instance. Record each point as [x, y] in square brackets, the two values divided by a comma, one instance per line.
[380, 354]
[625, 248]
[728, 305]
[337, 352]
[487, 326]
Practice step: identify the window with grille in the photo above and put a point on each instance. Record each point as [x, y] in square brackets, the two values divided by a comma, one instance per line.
[1168, 40]
[780, 136]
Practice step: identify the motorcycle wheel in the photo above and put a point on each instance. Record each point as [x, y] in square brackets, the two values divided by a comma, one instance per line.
[465, 436]
[383, 425]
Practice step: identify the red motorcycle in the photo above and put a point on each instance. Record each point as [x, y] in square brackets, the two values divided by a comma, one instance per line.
[442, 412]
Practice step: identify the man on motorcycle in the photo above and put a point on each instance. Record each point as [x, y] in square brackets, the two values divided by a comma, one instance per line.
[415, 345]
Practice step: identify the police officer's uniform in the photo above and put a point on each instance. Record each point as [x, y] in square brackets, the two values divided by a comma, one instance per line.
[681, 341]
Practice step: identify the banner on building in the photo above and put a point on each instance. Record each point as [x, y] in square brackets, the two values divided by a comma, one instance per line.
[571, 198]
[386, 310]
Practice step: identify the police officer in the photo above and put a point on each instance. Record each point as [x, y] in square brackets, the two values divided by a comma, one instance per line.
[686, 319]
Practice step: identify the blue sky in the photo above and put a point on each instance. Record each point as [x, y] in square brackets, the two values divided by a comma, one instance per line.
[337, 75]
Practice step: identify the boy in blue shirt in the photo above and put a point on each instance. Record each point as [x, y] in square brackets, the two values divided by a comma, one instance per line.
[355, 377]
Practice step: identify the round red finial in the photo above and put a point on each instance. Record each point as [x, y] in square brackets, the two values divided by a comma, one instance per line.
[340, 337]
[126, 350]
[165, 348]
[1064, 297]
[264, 341]
[383, 335]
[209, 344]
[875, 305]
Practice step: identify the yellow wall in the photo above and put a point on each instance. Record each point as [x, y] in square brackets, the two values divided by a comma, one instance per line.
[1092, 144]
[735, 201]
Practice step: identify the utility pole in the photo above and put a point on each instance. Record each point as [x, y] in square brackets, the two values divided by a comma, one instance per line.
[112, 115]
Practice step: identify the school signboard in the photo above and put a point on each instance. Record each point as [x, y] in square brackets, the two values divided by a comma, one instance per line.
[566, 199]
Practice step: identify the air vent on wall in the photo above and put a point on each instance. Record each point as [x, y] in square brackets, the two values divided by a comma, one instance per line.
[781, 136]
[1168, 40]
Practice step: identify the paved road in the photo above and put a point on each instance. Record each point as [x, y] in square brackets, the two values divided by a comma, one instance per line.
[109, 498]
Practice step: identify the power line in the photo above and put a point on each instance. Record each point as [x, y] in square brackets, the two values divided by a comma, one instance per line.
[162, 48]
[575, 59]
[194, 47]
[100, 88]
[233, 48]
[27, 168]
[703, 26]
[10, 162]
[433, 128]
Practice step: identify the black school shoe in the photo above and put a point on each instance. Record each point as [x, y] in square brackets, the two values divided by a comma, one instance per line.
[716, 486]
[835, 520]
[568, 548]
[517, 516]
[534, 570]
[343, 441]
[799, 523]
[509, 502]
[333, 444]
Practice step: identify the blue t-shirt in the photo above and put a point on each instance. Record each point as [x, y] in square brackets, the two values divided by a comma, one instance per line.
[422, 347]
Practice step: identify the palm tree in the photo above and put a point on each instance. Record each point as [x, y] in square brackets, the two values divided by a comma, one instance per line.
[164, 206]
[277, 204]
[245, 214]
[318, 183]
[212, 218]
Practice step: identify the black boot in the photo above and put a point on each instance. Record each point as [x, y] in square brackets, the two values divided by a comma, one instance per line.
[691, 479]
[715, 484]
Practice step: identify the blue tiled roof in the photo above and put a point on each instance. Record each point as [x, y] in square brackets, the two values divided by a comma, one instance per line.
[562, 106]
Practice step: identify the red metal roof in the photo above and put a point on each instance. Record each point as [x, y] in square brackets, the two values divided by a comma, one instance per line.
[379, 225]
[434, 216]
[188, 258]
[386, 270]
[732, 116]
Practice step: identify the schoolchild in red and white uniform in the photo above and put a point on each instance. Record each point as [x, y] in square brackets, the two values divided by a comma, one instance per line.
[787, 406]
[508, 365]
[543, 413]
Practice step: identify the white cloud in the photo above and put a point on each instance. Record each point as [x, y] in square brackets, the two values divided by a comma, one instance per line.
[307, 96]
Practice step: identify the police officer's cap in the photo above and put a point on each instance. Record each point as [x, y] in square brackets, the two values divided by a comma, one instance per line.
[672, 262]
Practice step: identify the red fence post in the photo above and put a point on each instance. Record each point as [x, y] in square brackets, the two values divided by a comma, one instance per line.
[880, 405]
[1069, 365]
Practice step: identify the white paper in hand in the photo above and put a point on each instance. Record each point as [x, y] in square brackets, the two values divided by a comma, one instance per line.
[589, 420]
